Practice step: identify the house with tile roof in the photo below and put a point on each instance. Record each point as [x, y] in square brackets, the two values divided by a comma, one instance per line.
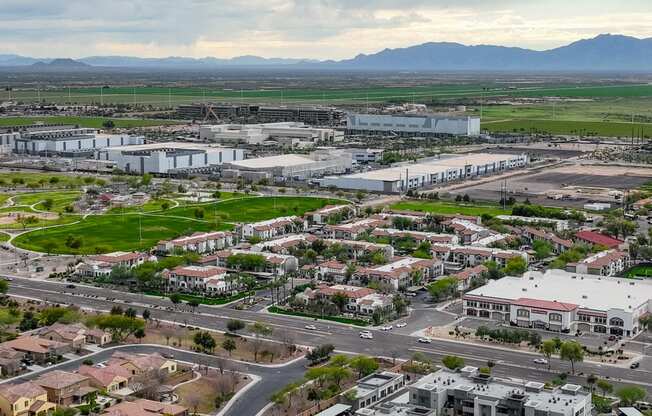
[361, 300]
[110, 378]
[358, 248]
[101, 265]
[401, 271]
[267, 229]
[10, 361]
[211, 280]
[199, 242]
[559, 245]
[275, 264]
[77, 334]
[329, 213]
[138, 364]
[144, 407]
[604, 263]
[37, 349]
[65, 388]
[597, 238]
[351, 230]
[284, 244]
[24, 399]
[465, 276]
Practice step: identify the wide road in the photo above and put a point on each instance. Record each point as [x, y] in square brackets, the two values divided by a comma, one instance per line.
[249, 403]
[510, 362]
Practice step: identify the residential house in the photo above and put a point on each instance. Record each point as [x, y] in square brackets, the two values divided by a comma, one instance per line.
[331, 270]
[24, 399]
[143, 407]
[361, 300]
[473, 256]
[331, 214]
[375, 388]
[357, 249]
[10, 361]
[277, 264]
[604, 263]
[559, 245]
[108, 378]
[467, 275]
[467, 231]
[65, 388]
[284, 244]
[37, 349]
[101, 265]
[200, 242]
[418, 236]
[402, 272]
[208, 279]
[265, 230]
[138, 364]
[77, 335]
[351, 230]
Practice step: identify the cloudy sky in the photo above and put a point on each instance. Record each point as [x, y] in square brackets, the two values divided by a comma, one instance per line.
[318, 29]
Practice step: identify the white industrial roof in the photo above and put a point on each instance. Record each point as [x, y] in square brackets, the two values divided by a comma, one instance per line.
[273, 161]
[587, 291]
[169, 145]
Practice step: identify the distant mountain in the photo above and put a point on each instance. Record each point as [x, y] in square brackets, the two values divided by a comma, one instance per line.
[603, 52]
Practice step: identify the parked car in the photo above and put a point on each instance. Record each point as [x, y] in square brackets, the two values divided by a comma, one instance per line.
[386, 328]
[424, 340]
[71, 286]
[635, 365]
[401, 324]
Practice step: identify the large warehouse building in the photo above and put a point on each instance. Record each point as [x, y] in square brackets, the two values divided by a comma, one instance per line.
[417, 124]
[253, 134]
[323, 116]
[70, 142]
[293, 166]
[169, 157]
[432, 172]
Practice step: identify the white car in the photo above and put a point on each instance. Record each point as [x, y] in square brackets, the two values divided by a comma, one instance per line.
[311, 327]
[424, 340]
[366, 335]
[401, 324]
[540, 361]
[386, 328]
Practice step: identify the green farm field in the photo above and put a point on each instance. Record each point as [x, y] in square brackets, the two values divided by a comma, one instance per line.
[439, 207]
[569, 127]
[91, 122]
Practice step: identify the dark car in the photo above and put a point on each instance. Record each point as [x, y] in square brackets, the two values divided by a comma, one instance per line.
[71, 286]
[635, 365]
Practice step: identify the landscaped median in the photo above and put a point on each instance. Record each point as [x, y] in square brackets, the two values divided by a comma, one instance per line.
[342, 320]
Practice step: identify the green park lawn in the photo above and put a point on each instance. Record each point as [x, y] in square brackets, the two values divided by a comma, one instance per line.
[4, 237]
[254, 208]
[639, 271]
[60, 199]
[114, 232]
[441, 207]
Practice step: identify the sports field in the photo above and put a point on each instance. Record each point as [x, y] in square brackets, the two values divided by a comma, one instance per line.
[439, 207]
[92, 122]
[140, 231]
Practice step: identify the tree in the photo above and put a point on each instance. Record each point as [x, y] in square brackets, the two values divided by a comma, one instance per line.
[119, 326]
[4, 286]
[259, 330]
[591, 379]
[146, 314]
[340, 300]
[139, 334]
[452, 362]
[229, 345]
[630, 395]
[548, 348]
[146, 179]
[204, 341]
[515, 266]
[542, 249]
[116, 310]
[131, 313]
[48, 204]
[234, 325]
[108, 124]
[443, 288]
[571, 351]
[604, 386]
[320, 353]
[175, 298]
[363, 365]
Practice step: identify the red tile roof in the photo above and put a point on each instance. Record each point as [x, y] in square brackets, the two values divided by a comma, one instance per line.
[595, 237]
[545, 304]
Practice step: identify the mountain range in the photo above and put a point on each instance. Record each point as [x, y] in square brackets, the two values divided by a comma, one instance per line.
[605, 52]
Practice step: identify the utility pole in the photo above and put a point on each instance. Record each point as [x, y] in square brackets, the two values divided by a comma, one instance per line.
[101, 95]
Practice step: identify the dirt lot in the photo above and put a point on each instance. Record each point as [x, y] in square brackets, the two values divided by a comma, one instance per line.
[199, 395]
[583, 182]
[13, 217]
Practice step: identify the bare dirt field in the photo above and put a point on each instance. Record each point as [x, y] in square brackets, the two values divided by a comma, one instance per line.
[13, 217]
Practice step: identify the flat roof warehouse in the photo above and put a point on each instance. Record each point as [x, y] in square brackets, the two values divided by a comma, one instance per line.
[426, 173]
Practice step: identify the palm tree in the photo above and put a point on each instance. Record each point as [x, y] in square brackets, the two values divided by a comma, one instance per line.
[349, 272]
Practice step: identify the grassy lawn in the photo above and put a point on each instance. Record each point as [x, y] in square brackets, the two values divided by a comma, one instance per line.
[639, 271]
[42, 180]
[106, 233]
[92, 122]
[358, 322]
[441, 207]
[4, 237]
[3, 198]
[60, 199]
[255, 208]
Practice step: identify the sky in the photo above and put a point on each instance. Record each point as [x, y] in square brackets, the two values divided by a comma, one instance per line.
[311, 29]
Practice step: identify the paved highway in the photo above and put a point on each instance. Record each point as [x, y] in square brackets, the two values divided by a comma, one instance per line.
[512, 363]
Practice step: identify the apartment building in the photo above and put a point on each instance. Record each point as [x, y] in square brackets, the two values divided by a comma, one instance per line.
[102, 264]
[199, 242]
[401, 272]
[351, 230]
[604, 263]
[418, 236]
[361, 300]
[559, 245]
[211, 280]
[331, 213]
[267, 229]
[284, 244]
[275, 264]
[358, 248]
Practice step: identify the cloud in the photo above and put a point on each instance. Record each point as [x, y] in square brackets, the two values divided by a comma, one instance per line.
[322, 29]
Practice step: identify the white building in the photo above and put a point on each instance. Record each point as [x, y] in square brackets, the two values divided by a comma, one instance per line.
[400, 271]
[7, 142]
[331, 212]
[169, 157]
[197, 243]
[427, 173]
[560, 225]
[275, 227]
[292, 132]
[70, 141]
[284, 244]
[209, 279]
[426, 125]
[587, 303]
[604, 263]
[290, 166]
[275, 264]
[101, 265]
